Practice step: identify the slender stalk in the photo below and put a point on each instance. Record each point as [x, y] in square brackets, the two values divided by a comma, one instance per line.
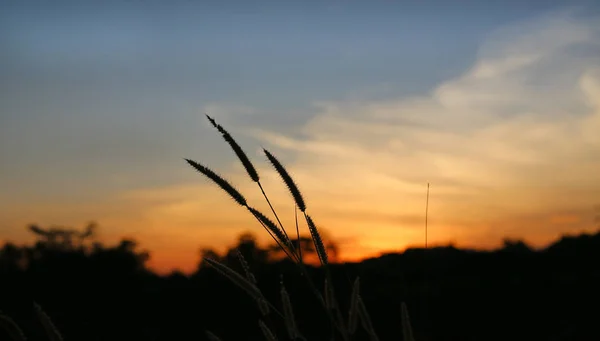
[321, 300]
[298, 232]
[279, 234]
[275, 239]
[341, 326]
[304, 272]
[293, 249]
[426, 213]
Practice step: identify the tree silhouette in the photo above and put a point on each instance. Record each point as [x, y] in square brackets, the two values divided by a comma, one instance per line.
[124, 257]
[12, 258]
[254, 254]
[246, 245]
[108, 290]
[516, 246]
[249, 248]
[62, 238]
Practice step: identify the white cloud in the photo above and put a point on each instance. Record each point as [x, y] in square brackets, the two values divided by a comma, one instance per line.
[511, 148]
[517, 134]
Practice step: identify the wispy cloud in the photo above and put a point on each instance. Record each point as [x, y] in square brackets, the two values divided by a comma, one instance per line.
[511, 147]
[518, 134]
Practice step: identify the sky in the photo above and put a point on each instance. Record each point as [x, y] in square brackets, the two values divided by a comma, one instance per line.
[495, 104]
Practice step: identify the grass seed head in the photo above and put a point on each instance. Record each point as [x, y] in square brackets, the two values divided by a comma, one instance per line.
[406, 327]
[353, 313]
[51, 330]
[289, 182]
[236, 278]
[224, 184]
[269, 336]
[11, 328]
[271, 226]
[288, 313]
[319, 246]
[237, 150]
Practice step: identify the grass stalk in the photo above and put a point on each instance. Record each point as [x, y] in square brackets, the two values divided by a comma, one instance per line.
[280, 236]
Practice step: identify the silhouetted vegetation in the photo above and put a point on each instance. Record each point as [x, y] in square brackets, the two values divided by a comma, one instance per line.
[97, 292]
[107, 293]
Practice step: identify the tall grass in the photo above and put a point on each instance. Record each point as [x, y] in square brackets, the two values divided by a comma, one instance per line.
[344, 325]
[16, 334]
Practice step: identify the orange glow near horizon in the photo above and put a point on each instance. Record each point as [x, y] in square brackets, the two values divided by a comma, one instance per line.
[174, 223]
[164, 261]
[183, 253]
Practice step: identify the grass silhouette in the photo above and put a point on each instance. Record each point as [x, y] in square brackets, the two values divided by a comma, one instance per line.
[342, 328]
[15, 332]
[343, 325]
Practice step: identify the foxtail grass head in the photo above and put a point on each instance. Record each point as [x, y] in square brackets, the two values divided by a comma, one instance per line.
[237, 150]
[224, 184]
[287, 179]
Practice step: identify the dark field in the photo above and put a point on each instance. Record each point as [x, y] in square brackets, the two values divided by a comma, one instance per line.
[96, 292]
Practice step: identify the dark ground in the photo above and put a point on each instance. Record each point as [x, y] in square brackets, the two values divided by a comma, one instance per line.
[96, 292]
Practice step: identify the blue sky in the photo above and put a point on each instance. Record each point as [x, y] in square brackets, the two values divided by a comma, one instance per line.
[98, 101]
[127, 74]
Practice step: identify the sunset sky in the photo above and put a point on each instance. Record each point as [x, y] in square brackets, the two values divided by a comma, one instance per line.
[496, 104]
